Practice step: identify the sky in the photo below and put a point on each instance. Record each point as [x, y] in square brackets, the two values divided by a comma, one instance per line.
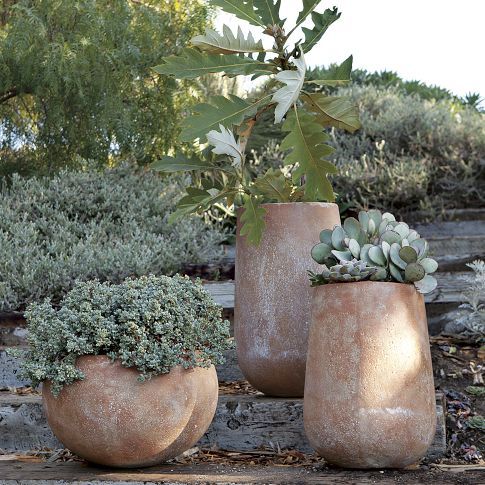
[438, 42]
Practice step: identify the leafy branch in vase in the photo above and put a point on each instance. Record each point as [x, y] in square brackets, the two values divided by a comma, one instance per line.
[225, 123]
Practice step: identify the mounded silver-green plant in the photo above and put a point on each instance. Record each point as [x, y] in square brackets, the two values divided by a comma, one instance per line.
[150, 323]
[393, 251]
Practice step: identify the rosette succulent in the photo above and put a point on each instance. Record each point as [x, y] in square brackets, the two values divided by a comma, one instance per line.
[375, 247]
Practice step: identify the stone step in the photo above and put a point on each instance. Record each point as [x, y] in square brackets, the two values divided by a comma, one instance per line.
[234, 472]
[10, 369]
[242, 422]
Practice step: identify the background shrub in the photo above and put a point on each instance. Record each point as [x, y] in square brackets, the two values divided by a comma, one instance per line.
[411, 154]
[84, 225]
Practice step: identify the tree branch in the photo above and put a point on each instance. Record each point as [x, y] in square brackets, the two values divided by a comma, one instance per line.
[11, 93]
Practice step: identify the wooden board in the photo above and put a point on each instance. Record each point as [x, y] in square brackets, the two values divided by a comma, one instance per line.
[15, 472]
[450, 287]
[242, 422]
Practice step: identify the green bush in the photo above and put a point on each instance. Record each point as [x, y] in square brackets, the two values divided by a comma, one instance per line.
[82, 225]
[150, 323]
[411, 154]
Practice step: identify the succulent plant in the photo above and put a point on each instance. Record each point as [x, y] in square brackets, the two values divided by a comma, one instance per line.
[393, 249]
[353, 270]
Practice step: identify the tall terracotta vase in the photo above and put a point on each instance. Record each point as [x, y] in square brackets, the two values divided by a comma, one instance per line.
[369, 393]
[272, 307]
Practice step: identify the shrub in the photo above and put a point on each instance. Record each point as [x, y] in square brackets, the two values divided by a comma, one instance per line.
[93, 225]
[411, 154]
[151, 323]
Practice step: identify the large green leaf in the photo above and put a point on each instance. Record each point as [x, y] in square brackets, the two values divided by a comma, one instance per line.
[199, 200]
[227, 43]
[306, 140]
[192, 63]
[308, 7]
[180, 163]
[243, 9]
[269, 11]
[321, 22]
[221, 111]
[273, 186]
[252, 220]
[337, 75]
[337, 111]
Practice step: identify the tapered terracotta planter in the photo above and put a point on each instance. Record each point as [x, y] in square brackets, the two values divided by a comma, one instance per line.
[369, 393]
[273, 296]
[111, 418]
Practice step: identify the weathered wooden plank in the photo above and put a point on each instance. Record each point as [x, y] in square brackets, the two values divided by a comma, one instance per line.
[18, 472]
[241, 423]
[450, 287]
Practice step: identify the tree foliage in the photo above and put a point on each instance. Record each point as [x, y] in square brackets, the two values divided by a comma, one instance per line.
[75, 78]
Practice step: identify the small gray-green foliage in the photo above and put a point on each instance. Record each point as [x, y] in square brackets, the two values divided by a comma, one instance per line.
[473, 315]
[82, 225]
[150, 323]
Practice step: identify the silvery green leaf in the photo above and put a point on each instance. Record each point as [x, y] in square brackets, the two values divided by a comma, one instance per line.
[388, 216]
[352, 227]
[371, 227]
[320, 252]
[364, 254]
[395, 258]
[408, 254]
[421, 247]
[286, 96]
[338, 236]
[364, 220]
[426, 285]
[225, 143]
[404, 242]
[342, 255]
[412, 236]
[390, 237]
[326, 236]
[376, 216]
[386, 248]
[395, 273]
[402, 229]
[354, 248]
[377, 256]
[429, 265]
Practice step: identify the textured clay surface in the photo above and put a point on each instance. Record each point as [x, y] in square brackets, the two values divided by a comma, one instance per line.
[273, 296]
[369, 393]
[111, 418]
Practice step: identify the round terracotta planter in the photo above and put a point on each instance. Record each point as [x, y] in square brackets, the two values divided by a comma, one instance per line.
[369, 393]
[273, 296]
[112, 419]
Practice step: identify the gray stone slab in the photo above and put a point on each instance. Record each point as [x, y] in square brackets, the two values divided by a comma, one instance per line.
[241, 423]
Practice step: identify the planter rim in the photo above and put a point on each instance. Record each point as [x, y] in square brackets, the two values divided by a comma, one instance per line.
[353, 283]
[320, 204]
